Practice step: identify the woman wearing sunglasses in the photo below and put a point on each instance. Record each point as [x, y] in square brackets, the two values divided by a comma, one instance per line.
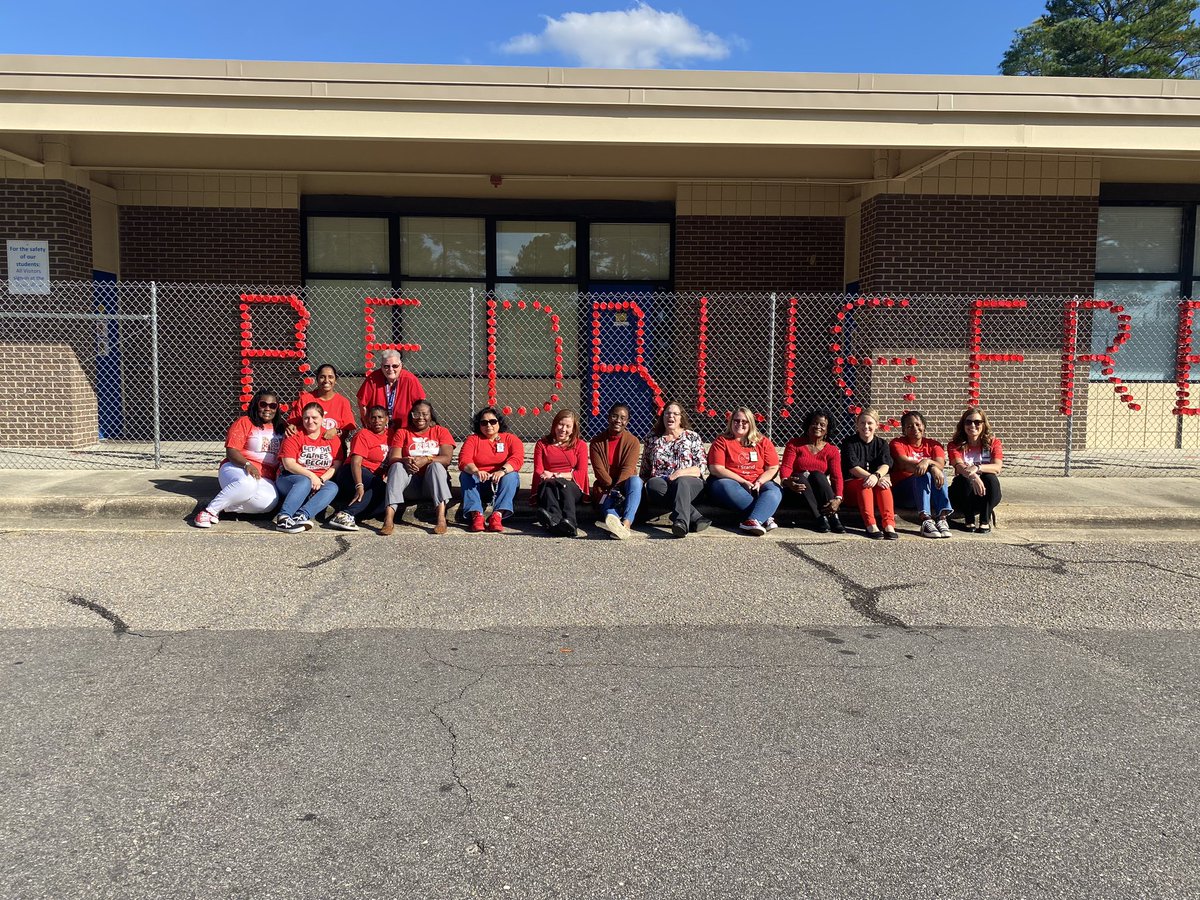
[977, 458]
[247, 476]
[488, 464]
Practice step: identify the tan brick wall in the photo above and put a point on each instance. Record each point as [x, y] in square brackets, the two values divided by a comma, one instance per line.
[54, 211]
[51, 403]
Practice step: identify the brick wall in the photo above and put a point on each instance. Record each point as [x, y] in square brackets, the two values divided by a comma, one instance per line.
[240, 246]
[986, 245]
[53, 211]
[51, 403]
[759, 253]
[981, 246]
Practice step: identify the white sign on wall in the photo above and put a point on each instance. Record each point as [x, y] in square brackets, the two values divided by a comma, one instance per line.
[28, 267]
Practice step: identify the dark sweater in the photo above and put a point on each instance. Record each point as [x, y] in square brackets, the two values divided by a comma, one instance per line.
[856, 452]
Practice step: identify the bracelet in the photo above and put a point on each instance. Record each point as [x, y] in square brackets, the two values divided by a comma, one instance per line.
[358, 484]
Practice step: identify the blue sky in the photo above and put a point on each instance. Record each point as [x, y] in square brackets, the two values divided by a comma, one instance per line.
[934, 37]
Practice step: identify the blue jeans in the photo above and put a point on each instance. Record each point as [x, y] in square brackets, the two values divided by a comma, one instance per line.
[475, 495]
[631, 490]
[760, 507]
[295, 490]
[919, 492]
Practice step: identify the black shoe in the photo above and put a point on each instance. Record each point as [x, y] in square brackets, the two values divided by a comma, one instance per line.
[701, 523]
[565, 529]
[822, 525]
[891, 536]
[679, 529]
[835, 525]
[875, 535]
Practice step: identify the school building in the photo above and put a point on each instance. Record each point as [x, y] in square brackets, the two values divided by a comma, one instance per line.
[356, 180]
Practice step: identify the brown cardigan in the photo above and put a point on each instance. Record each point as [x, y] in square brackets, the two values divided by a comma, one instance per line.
[625, 462]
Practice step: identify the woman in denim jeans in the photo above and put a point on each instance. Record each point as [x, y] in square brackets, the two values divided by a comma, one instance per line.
[311, 461]
[488, 465]
[918, 476]
[616, 486]
[742, 465]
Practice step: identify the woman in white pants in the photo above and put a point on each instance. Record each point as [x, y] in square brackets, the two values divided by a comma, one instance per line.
[247, 476]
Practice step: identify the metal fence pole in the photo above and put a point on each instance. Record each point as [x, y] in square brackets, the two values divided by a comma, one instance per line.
[155, 392]
[771, 375]
[473, 407]
[1074, 338]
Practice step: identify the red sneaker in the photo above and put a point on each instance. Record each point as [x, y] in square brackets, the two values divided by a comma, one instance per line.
[476, 521]
[495, 523]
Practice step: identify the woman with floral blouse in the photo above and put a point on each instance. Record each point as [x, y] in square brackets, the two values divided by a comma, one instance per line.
[673, 468]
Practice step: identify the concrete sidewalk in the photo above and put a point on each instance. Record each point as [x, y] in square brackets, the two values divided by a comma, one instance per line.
[164, 494]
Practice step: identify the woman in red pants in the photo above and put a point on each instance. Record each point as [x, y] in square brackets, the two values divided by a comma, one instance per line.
[867, 463]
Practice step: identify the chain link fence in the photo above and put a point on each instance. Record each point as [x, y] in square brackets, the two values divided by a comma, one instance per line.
[105, 374]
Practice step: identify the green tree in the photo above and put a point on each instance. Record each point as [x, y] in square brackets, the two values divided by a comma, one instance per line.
[1109, 39]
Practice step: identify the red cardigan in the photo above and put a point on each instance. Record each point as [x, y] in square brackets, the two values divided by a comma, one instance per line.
[548, 457]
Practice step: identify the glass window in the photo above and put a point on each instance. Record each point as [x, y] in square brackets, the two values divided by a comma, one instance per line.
[442, 326]
[535, 249]
[1149, 354]
[524, 341]
[1139, 239]
[337, 332]
[442, 248]
[630, 252]
[350, 245]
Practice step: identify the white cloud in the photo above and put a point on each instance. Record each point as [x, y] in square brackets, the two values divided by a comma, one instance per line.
[641, 37]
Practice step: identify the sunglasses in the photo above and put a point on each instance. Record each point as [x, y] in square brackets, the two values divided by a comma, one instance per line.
[489, 421]
[973, 422]
[264, 405]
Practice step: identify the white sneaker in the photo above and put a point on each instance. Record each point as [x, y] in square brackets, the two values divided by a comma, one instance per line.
[943, 527]
[929, 529]
[612, 524]
[770, 524]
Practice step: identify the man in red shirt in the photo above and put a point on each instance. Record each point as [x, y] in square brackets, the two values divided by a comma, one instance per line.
[391, 386]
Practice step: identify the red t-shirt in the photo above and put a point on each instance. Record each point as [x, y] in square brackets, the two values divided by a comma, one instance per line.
[964, 455]
[338, 413]
[427, 443]
[372, 447]
[315, 454]
[258, 443]
[490, 456]
[374, 392]
[748, 462]
[902, 449]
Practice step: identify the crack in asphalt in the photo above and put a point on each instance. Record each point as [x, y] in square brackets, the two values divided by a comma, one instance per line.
[118, 624]
[862, 599]
[343, 547]
[1059, 567]
[448, 725]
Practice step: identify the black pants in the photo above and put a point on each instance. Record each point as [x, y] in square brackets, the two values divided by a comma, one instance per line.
[678, 496]
[557, 500]
[967, 502]
[818, 493]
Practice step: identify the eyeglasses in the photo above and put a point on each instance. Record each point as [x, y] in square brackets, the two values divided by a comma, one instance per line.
[489, 421]
[262, 404]
[973, 422]
[389, 367]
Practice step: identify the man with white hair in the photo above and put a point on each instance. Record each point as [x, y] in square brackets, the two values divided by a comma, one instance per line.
[391, 386]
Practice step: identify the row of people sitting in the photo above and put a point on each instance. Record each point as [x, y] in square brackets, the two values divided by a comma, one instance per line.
[304, 466]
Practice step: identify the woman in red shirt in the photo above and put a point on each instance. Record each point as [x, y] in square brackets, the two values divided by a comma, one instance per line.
[742, 465]
[339, 418]
[247, 476]
[977, 457]
[812, 471]
[365, 475]
[918, 480]
[418, 466]
[560, 475]
[311, 461]
[488, 465]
